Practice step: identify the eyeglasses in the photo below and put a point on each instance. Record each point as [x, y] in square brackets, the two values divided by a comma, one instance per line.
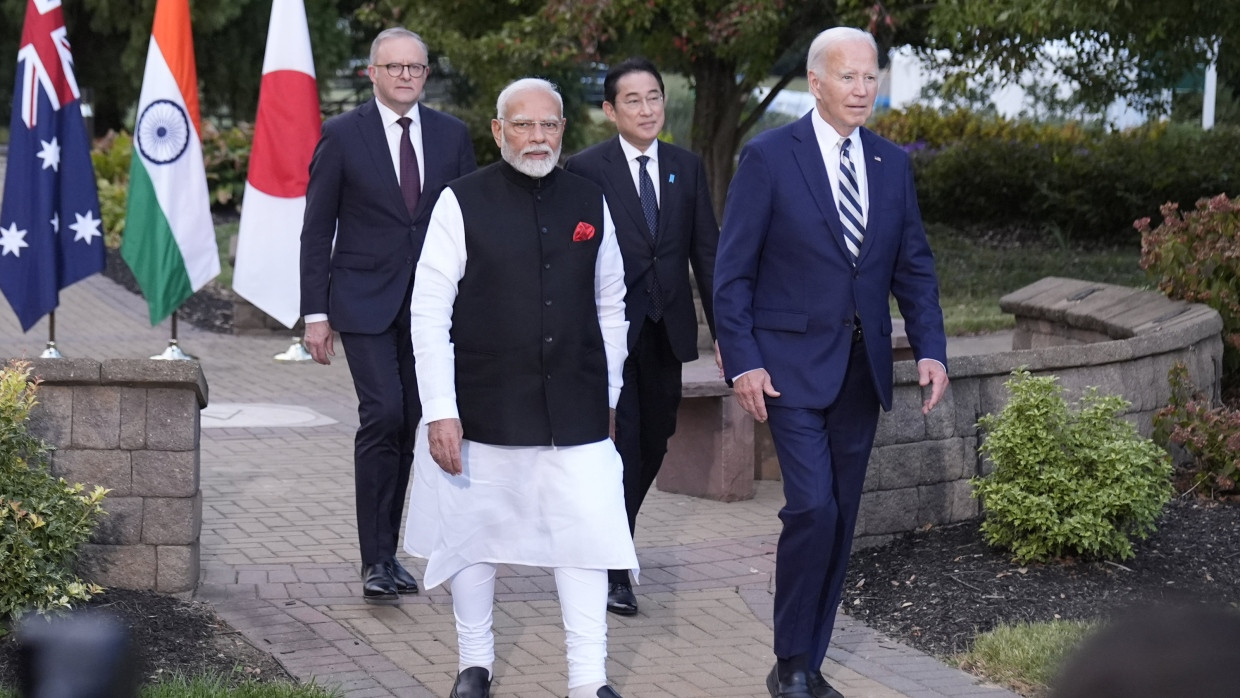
[416, 70]
[523, 127]
[635, 103]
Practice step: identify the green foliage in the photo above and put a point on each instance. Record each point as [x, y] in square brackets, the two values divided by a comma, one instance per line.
[1025, 656]
[1071, 181]
[43, 520]
[1210, 435]
[111, 157]
[223, 687]
[1194, 257]
[1067, 482]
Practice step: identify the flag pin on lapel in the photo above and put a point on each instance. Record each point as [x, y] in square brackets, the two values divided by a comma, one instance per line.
[671, 178]
[877, 159]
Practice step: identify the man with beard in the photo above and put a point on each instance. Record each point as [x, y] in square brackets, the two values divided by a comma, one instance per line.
[519, 333]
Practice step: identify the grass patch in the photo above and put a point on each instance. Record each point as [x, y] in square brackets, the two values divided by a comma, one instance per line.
[221, 687]
[1024, 657]
[223, 235]
[975, 271]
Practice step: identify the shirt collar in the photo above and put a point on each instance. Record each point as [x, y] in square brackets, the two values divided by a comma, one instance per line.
[828, 137]
[631, 152]
[389, 117]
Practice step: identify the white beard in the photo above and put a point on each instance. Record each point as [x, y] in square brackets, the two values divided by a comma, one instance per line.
[529, 166]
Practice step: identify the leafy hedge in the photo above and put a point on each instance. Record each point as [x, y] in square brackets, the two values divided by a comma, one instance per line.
[1076, 182]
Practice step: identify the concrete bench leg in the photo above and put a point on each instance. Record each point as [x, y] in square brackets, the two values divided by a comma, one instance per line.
[711, 455]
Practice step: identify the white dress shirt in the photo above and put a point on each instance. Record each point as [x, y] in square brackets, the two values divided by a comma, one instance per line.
[829, 142]
[631, 153]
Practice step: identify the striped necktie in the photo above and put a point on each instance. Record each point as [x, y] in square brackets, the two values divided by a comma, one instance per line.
[849, 202]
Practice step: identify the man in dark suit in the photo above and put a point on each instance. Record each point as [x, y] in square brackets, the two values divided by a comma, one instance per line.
[375, 176]
[662, 231]
[821, 227]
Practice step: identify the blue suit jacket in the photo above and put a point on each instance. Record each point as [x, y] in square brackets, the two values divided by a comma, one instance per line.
[786, 293]
[354, 196]
[687, 235]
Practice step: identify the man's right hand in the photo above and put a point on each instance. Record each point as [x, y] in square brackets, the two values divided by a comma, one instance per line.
[751, 390]
[444, 438]
[318, 341]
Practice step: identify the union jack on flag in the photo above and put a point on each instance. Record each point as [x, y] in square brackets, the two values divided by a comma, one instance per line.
[51, 234]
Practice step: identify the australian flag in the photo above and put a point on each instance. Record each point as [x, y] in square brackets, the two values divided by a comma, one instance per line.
[51, 234]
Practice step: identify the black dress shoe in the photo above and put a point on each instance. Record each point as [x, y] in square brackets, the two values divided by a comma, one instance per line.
[378, 585]
[474, 682]
[607, 692]
[794, 685]
[820, 688]
[620, 599]
[405, 583]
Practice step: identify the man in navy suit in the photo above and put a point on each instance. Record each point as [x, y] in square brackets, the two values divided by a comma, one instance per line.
[661, 234]
[375, 176]
[821, 227]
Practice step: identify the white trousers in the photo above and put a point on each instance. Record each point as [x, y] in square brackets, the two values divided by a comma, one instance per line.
[583, 607]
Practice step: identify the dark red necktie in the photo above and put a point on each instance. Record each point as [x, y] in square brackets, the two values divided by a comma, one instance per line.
[410, 182]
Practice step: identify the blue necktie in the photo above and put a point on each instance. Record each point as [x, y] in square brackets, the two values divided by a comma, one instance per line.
[849, 202]
[650, 208]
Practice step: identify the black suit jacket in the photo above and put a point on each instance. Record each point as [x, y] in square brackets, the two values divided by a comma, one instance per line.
[354, 196]
[687, 235]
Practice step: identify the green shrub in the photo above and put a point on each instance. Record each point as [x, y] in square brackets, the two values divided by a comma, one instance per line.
[1211, 435]
[1195, 258]
[111, 157]
[43, 520]
[1067, 482]
[1074, 181]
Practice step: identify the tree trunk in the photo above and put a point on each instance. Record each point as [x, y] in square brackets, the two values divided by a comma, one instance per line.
[717, 106]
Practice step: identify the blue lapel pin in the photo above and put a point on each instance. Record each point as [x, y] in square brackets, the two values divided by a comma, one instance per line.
[671, 178]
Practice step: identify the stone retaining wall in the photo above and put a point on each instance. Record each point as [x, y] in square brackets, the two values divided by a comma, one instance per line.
[1123, 341]
[132, 426]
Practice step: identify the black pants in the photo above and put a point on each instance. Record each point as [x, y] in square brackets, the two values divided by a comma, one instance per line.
[388, 411]
[645, 417]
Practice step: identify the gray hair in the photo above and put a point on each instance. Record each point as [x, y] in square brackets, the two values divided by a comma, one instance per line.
[501, 104]
[393, 33]
[834, 37]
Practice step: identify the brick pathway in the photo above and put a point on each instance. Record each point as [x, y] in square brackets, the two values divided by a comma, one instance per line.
[279, 560]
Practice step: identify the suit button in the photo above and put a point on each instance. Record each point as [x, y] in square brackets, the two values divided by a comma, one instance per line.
[544, 230]
[547, 265]
[547, 302]
[547, 339]
[548, 376]
[655, 259]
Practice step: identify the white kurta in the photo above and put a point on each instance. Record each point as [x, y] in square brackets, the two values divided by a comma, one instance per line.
[544, 506]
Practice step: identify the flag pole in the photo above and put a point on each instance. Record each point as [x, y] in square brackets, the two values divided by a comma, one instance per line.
[173, 352]
[51, 352]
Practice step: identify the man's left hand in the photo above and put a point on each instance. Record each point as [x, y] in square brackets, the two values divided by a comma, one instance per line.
[931, 373]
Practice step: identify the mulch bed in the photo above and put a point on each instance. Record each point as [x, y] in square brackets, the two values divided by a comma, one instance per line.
[170, 637]
[936, 589]
[211, 308]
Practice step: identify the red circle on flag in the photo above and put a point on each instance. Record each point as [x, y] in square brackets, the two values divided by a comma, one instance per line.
[285, 134]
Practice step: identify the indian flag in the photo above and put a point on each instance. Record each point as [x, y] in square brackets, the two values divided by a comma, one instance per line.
[169, 238]
[268, 271]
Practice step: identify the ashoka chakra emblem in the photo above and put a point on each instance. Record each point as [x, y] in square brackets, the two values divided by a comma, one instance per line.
[162, 132]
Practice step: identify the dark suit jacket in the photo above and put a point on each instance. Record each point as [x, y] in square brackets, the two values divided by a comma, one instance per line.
[785, 290]
[688, 234]
[354, 195]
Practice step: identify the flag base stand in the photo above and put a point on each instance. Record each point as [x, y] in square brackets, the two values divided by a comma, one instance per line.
[51, 352]
[296, 352]
[173, 353]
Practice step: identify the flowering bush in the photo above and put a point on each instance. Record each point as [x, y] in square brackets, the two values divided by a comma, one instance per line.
[1210, 435]
[1195, 257]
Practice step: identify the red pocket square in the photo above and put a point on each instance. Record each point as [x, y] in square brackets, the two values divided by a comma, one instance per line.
[584, 232]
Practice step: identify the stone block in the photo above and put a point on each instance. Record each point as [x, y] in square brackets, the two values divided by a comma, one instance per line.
[178, 567]
[96, 417]
[888, 511]
[946, 502]
[110, 469]
[766, 461]
[122, 522]
[900, 466]
[66, 371]
[711, 453]
[171, 520]
[165, 473]
[122, 566]
[904, 423]
[133, 418]
[52, 418]
[148, 373]
[172, 419]
[966, 404]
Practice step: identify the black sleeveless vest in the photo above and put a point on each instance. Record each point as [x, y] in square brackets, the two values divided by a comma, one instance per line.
[531, 369]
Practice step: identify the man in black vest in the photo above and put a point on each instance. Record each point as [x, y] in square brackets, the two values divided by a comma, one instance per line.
[518, 330]
[664, 223]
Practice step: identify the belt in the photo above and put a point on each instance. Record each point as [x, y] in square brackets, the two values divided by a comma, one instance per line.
[857, 335]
